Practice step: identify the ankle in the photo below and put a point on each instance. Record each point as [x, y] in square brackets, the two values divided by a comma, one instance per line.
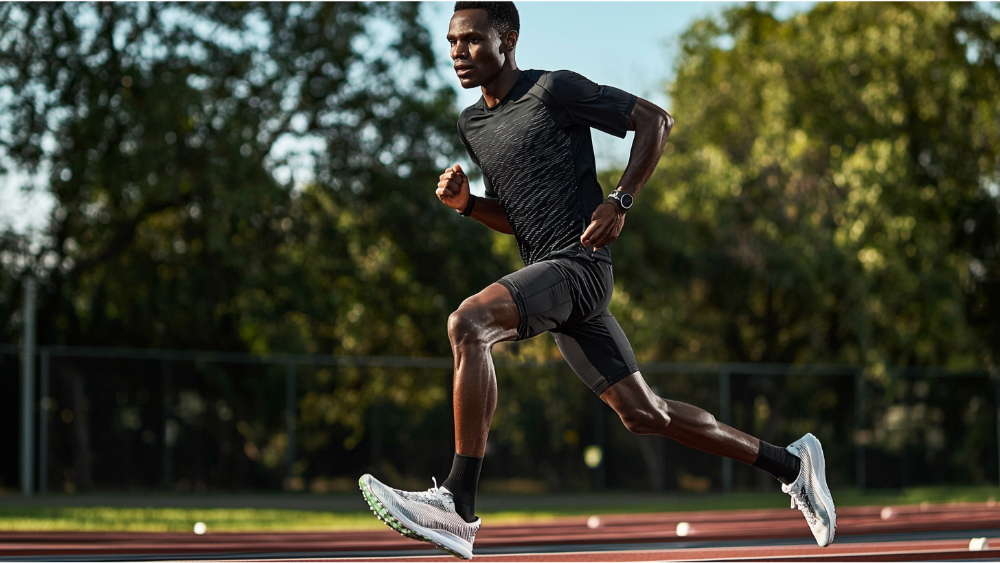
[778, 462]
[462, 482]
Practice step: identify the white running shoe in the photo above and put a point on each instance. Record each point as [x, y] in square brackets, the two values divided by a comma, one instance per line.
[425, 516]
[810, 493]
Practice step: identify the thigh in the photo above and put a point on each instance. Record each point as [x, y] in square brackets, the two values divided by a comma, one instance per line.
[598, 351]
[544, 297]
[555, 293]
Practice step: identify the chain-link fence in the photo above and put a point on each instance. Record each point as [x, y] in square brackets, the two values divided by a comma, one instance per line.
[131, 419]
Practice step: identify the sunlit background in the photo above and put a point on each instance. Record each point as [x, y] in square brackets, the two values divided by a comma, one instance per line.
[244, 278]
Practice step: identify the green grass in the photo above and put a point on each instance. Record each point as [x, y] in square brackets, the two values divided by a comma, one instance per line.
[117, 519]
[104, 518]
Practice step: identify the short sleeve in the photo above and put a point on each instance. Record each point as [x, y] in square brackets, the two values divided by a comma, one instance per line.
[586, 103]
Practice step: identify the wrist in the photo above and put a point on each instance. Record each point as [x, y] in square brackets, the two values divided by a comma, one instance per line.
[621, 200]
[469, 205]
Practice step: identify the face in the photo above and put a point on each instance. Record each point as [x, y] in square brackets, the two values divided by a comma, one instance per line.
[476, 48]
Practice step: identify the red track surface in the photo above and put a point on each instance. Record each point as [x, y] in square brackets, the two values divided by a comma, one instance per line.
[916, 551]
[572, 532]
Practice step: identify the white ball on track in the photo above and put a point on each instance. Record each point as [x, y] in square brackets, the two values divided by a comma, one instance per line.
[979, 544]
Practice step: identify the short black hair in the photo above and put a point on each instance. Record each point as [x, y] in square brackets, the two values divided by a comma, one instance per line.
[502, 16]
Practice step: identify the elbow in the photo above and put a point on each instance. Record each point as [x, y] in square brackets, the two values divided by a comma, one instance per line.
[650, 118]
[666, 123]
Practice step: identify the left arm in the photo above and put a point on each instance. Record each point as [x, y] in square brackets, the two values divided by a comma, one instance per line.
[652, 126]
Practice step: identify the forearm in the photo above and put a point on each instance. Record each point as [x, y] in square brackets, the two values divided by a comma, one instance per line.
[489, 212]
[652, 126]
[453, 191]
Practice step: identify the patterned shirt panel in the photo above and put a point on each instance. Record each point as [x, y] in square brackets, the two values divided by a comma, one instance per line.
[537, 158]
[532, 162]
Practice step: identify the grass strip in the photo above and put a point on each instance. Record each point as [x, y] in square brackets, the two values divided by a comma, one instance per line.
[120, 519]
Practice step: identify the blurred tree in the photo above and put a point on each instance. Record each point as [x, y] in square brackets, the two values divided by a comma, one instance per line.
[258, 177]
[250, 176]
[170, 133]
[830, 192]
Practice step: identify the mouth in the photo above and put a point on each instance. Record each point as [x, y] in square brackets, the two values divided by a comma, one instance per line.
[463, 71]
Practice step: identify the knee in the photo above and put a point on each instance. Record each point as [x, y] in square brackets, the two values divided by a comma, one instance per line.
[467, 325]
[646, 419]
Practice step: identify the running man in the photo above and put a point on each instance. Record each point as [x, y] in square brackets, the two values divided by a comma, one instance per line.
[530, 135]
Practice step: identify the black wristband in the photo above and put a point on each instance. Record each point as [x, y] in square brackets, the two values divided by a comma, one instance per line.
[469, 206]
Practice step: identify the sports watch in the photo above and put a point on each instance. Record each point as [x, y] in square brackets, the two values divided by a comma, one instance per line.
[623, 200]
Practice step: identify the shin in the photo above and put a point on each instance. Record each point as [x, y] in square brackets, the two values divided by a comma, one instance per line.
[480, 322]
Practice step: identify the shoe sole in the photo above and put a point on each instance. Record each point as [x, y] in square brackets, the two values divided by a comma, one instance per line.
[402, 525]
[819, 470]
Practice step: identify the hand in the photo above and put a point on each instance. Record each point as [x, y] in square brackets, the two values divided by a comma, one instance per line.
[453, 188]
[605, 225]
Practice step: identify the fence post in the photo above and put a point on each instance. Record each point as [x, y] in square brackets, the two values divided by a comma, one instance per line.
[170, 427]
[28, 388]
[290, 409]
[600, 430]
[860, 461]
[726, 416]
[45, 406]
[995, 375]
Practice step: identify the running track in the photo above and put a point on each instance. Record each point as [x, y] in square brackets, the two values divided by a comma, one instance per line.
[904, 533]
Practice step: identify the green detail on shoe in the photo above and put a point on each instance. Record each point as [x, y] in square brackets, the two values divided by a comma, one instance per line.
[383, 514]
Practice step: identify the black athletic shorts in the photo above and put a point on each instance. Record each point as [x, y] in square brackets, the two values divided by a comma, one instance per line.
[569, 297]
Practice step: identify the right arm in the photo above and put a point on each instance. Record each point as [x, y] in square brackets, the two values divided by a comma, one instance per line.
[453, 191]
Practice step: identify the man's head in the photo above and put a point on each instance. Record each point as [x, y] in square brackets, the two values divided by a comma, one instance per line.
[501, 16]
[483, 36]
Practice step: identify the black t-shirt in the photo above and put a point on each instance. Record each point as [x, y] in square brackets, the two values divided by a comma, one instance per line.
[537, 158]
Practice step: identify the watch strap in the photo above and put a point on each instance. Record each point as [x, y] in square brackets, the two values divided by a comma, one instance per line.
[469, 206]
[615, 196]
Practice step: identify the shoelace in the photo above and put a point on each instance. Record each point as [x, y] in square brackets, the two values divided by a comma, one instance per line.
[800, 500]
[433, 492]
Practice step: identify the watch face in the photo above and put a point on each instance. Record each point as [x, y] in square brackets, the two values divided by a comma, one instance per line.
[626, 201]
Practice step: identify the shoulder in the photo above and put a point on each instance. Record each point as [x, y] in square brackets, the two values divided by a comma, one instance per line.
[564, 82]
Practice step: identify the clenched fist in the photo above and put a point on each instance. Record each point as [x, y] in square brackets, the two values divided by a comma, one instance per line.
[605, 226]
[453, 188]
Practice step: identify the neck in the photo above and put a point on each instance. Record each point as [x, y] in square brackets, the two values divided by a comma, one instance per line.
[496, 89]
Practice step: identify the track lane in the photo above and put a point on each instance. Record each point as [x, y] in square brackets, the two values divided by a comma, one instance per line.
[712, 535]
[953, 550]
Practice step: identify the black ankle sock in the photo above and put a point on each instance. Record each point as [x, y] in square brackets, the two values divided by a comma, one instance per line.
[463, 482]
[778, 462]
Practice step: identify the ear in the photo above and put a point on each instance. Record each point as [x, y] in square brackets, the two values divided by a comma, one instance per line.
[509, 41]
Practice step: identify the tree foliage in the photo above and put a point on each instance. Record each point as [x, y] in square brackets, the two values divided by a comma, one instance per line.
[237, 176]
[829, 193]
[170, 133]
[259, 177]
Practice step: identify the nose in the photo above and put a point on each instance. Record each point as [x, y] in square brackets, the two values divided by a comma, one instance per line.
[459, 51]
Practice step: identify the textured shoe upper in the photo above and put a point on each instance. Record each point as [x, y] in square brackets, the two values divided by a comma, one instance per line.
[433, 509]
[809, 491]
